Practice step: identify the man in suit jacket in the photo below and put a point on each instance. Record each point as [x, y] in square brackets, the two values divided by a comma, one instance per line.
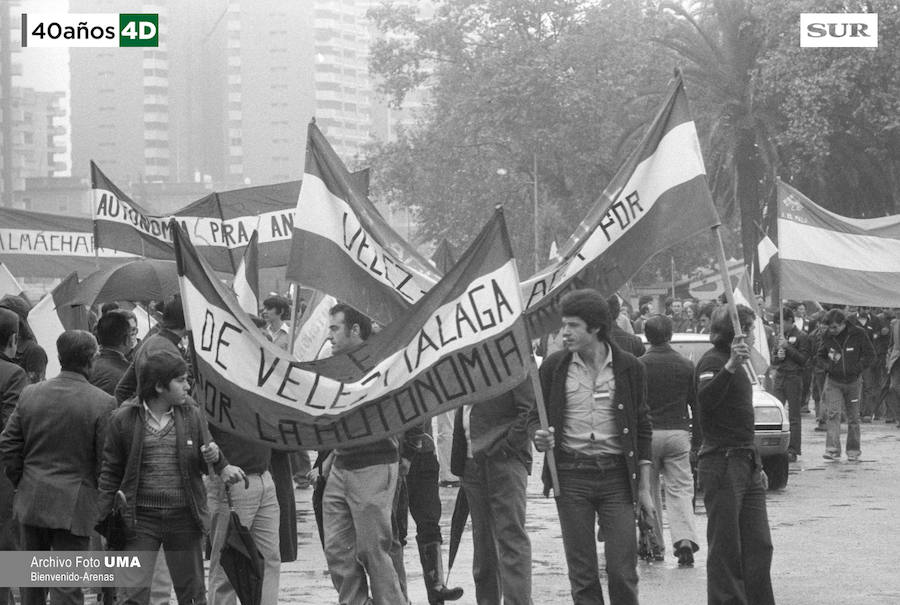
[600, 433]
[51, 448]
[492, 455]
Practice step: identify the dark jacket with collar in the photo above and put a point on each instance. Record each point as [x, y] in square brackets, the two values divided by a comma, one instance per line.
[13, 380]
[51, 449]
[499, 427]
[123, 450]
[108, 370]
[796, 353]
[846, 355]
[630, 400]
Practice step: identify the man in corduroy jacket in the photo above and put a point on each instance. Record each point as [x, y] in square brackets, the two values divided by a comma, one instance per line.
[600, 432]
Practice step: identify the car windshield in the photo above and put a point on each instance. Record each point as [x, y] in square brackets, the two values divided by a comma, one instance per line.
[692, 350]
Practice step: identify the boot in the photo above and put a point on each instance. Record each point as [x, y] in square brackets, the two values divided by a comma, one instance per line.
[433, 573]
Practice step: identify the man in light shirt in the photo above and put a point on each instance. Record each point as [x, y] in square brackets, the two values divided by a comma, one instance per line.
[600, 433]
[277, 312]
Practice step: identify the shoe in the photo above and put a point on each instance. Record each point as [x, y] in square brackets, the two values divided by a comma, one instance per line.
[831, 456]
[433, 574]
[685, 556]
[853, 457]
[890, 420]
[820, 428]
[866, 419]
[804, 410]
[792, 456]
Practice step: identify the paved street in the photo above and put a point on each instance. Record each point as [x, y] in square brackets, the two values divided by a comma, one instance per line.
[834, 529]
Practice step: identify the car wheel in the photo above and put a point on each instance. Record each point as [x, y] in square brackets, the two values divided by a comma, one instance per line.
[776, 469]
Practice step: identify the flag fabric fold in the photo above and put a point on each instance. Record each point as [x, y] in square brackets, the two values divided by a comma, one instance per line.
[768, 264]
[759, 355]
[246, 278]
[659, 197]
[8, 282]
[343, 247]
[52, 315]
[463, 342]
[831, 258]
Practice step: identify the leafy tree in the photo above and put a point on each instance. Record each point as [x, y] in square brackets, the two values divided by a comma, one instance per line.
[556, 83]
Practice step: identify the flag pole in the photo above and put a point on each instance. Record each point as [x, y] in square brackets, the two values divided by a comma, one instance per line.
[729, 297]
[549, 456]
[295, 312]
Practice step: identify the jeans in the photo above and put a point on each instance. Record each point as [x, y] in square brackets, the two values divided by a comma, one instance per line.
[357, 509]
[45, 538]
[421, 499]
[258, 510]
[501, 562]
[672, 459]
[789, 390]
[589, 495]
[818, 384]
[737, 531]
[836, 394]
[871, 381]
[181, 539]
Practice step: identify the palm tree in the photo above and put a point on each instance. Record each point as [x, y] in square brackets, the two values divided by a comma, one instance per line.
[720, 43]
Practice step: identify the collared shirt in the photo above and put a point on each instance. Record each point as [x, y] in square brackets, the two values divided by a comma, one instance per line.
[280, 337]
[158, 423]
[590, 417]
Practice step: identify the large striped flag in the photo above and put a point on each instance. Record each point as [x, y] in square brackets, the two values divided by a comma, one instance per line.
[658, 198]
[743, 295]
[827, 257]
[344, 247]
[767, 252]
[462, 343]
[51, 316]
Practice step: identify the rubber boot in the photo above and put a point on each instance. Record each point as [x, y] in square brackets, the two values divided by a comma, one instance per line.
[433, 573]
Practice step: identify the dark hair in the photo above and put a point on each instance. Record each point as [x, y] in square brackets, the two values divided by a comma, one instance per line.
[614, 305]
[159, 369]
[658, 329]
[280, 304]
[787, 313]
[113, 328]
[587, 305]
[20, 307]
[706, 310]
[352, 316]
[76, 349]
[107, 307]
[835, 316]
[721, 330]
[173, 314]
[9, 325]
[644, 299]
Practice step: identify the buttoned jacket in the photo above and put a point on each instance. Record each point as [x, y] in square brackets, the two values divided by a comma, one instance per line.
[629, 401]
[51, 448]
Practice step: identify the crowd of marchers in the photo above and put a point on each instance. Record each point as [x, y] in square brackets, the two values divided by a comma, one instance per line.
[113, 453]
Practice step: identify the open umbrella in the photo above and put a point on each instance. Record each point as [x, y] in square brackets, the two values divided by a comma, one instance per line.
[241, 560]
[135, 280]
[457, 526]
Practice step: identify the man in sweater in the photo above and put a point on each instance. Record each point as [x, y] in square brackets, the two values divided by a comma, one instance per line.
[739, 542]
[671, 397]
[845, 352]
[359, 500]
[51, 448]
[790, 358]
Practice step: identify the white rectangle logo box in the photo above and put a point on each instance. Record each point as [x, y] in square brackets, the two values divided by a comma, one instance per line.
[75, 30]
[839, 30]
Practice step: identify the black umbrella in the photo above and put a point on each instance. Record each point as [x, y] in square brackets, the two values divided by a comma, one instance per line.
[135, 280]
[457, 525]
[241, 560]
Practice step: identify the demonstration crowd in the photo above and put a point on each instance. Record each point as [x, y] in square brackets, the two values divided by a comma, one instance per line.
[116, 437]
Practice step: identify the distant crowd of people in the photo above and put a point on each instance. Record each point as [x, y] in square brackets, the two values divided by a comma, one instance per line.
[117, 435]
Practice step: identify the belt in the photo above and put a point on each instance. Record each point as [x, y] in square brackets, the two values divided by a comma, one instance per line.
[567, 460]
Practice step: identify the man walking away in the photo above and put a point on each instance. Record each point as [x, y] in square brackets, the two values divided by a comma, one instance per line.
[51, 448]
[671, 396]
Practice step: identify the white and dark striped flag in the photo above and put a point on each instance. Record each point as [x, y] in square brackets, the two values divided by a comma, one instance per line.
[831, 258]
